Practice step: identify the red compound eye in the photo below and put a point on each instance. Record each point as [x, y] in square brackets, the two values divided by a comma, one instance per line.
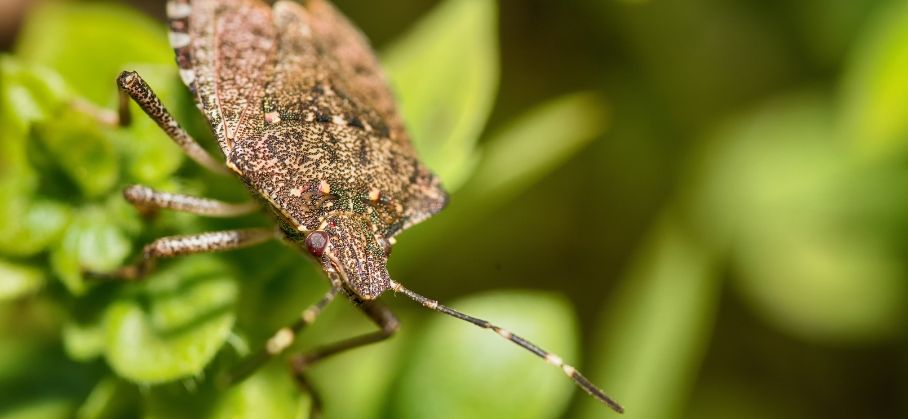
[316, 242]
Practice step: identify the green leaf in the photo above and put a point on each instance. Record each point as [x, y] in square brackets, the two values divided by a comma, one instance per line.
[357, 384]
[445, 71]
[22, 102]
[172, 324]
[460, 371]
[86, 154]
[93, 241]
[270, 393]
[875, 92]
[802, 219]
[534, 144]
[41, 409]
[28, 92]
[17, 280]
[89, 44]
[513, 159]
[83, 341]
[35, 229]
[653, 333]
[110, 398]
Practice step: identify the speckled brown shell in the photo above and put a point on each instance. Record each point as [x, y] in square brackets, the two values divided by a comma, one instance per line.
[304, 116]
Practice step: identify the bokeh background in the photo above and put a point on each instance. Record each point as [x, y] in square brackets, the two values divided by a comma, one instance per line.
[700, 203]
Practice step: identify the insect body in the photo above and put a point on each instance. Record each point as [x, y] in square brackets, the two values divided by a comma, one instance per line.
[304, 117]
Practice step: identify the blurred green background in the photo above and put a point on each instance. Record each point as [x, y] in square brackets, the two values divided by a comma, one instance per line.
[699, 203]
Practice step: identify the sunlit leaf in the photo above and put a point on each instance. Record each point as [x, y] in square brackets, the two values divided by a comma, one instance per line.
[460, 371]
[75, 142]
[269, 393]
[876, 84]
[89, 44]
[513, 159]
[172, 324]
[110, 398]
[358, 384]
[653, 332]
[93, 241]
[34, 229]
[17, 280]
[801, 218]
[41, 409]
[28, 93]
[534, 144]
[445, 71]
[83, 341]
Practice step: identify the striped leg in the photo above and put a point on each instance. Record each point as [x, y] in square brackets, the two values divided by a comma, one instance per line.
[553, 359]
[148, 200]
[165, 247]
[281, 340]
[379, 314]
[132, 86]
[388, 325]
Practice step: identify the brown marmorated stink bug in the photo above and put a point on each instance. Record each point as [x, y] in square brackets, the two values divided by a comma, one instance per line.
[305, 119]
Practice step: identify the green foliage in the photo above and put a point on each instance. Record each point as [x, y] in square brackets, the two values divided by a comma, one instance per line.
[151, 349]
[655, 327]
[774, 189]
[875, 91]
[477, 376]
[446, 73]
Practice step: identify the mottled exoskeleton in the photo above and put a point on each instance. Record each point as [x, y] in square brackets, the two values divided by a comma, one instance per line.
[304, 117]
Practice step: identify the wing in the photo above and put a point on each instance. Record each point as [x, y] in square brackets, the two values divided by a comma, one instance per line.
[355, 62]
[225, 49]
[296, 98]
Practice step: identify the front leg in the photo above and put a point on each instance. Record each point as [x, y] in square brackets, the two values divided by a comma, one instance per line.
[132, 86]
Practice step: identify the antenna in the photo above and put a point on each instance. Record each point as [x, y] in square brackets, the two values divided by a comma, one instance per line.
[553, 359]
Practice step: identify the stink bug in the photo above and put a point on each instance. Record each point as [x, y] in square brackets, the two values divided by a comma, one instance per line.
[304, 117]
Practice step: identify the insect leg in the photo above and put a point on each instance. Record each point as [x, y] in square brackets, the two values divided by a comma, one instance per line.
[281, 339]
[132, 86]
[316, 407]
[147, 200]
[551, 358]
[379, 314]
[165, 247]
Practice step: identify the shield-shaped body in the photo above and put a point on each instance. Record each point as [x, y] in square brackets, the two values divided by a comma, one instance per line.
[305, 118]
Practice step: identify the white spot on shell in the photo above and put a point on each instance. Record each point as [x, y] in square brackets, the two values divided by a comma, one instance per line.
[324, 187]
[305, 30]
[188, 76]
[179, 39]
[338, 120]
[296, 192]
[374, 194]
[178, 10]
